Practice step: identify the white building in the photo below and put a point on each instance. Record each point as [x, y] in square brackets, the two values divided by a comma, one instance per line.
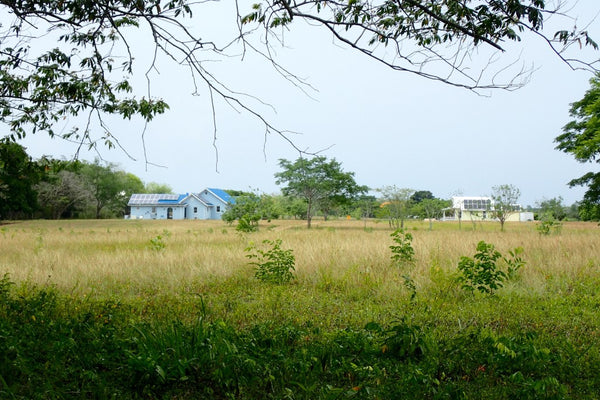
[480, 208]
[211, 203]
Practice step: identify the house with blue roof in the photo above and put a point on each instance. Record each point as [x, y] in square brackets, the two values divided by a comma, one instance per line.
[210, 203]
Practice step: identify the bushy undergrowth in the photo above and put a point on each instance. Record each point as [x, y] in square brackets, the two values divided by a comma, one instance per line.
[275, 265]
[51, 347]
[483, 273]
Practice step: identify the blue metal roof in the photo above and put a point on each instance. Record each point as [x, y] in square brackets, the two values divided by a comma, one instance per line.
[223, 195]
[178, 200]
[147, 199]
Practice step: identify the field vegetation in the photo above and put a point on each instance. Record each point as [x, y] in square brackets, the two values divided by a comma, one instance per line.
[174, 309]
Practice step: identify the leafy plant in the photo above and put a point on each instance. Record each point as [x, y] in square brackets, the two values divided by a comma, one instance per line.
[247, 224]
[515, 262]
[275, 265]
[409, 284]
[157, 243]
[547, 225]
[406, 341]
[402, 251]
[481, 272]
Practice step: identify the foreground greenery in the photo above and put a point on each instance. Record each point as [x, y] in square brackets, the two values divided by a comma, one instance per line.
[338, 331]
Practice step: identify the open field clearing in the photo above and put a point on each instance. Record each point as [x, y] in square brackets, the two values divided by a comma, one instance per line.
[351, 324]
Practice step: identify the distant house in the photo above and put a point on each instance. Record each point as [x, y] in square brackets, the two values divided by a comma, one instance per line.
[478, 208]
[211, 203]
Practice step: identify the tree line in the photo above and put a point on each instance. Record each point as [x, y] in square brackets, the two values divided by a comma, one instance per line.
[53, 189]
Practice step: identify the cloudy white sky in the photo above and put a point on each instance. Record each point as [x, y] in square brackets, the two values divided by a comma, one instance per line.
[390, 128]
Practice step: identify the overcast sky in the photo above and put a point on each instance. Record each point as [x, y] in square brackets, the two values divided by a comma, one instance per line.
[390, 128]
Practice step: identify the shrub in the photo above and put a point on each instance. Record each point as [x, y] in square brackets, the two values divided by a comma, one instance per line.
[548, 225]
[157, 244]
[482, 272]
[274, 265]
[402, 251]
[247, 224]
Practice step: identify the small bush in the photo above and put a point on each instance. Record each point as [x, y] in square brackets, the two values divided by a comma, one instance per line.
[515, 262]
[549, 225]
[157, 244]
[482, 272]
[247, 225]
[274, 265]
[402, 251]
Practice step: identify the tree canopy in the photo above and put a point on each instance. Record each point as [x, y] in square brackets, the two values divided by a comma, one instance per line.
[51, 188]
[65, 58]
[18, 175]
[396, 205]
[322, 184]
[581, 139]
[505, 198]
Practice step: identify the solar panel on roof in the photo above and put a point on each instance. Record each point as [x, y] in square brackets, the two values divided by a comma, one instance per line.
[151, 198]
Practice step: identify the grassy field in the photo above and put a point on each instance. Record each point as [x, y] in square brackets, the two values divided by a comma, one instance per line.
[148, 297]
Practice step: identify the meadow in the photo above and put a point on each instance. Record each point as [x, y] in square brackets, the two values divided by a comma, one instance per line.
[172, 309]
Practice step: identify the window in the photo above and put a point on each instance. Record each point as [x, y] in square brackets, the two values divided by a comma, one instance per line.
[218, 208]
[195, 210]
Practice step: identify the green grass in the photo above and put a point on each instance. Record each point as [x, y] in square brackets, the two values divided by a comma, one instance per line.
[90, 311]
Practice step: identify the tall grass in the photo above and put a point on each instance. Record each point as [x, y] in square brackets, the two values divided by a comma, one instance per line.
[171, 309]
[343, 271]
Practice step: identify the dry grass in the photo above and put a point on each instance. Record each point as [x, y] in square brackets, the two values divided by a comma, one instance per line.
[116, 257]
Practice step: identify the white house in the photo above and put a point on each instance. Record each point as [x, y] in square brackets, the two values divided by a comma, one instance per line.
[211, 203]
[479, 208]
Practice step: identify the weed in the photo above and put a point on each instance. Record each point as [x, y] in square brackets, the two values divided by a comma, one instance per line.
[405, 341]
[402, 251]
[246, 225]
[157, 244]
[482, 272]
[274, 265]
[548, 225]
[514, 263]
[409, 283]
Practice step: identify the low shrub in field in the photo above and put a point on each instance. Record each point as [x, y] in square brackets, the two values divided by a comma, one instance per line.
[549, 225]
[483, 273]
[275, 265]
[402, 251]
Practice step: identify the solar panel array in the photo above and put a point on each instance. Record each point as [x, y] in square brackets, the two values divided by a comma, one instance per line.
[151, 198]
[479, 204]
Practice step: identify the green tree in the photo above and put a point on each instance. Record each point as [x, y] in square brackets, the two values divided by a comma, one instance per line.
[552, 208]
[319, 182]
[249, 209]
[431, 209]
[18, 177]
[154, 187]
[64, 58]
[421, 195]
[292, 206]
[581, 139]
[110, 187]
[396, 204]
[504, 200]
[130, 184]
